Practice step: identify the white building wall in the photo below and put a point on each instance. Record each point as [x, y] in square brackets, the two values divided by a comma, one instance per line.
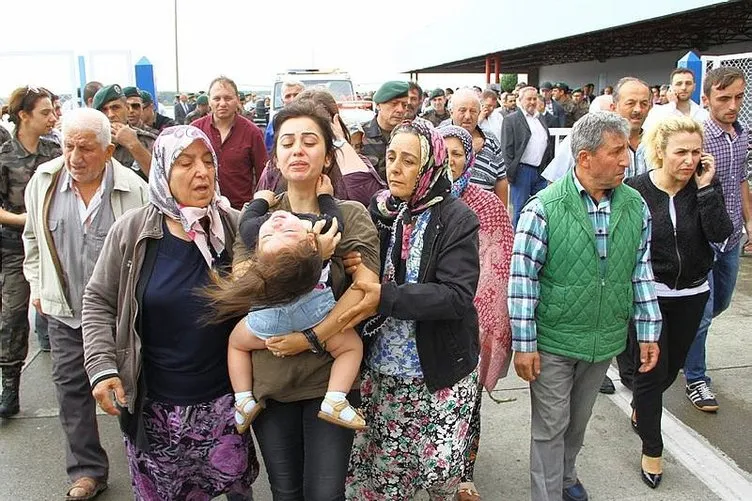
[653, 68]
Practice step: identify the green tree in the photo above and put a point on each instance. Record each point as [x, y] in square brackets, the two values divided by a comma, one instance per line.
[508, 81]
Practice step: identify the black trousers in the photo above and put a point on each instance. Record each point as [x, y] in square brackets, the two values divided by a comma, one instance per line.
[681, 318]
[306, 457]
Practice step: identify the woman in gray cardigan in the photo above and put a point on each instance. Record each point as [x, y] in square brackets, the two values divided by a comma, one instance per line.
[146, 339]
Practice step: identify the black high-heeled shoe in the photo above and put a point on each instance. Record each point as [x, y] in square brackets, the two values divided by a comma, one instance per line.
[652, 480]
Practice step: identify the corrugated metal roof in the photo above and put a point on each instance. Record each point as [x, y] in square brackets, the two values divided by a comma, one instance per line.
[481, 27]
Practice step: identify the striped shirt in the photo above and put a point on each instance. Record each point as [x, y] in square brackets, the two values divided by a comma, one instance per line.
[489, 167]
[529, 256]
[730, 153]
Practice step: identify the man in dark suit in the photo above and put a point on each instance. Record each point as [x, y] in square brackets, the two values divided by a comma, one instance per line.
[525, 147]
[182, 108]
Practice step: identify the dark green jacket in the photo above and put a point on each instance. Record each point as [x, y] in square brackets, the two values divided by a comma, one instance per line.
[586, 302]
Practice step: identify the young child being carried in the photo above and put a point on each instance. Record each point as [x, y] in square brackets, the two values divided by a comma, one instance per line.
[287, 284]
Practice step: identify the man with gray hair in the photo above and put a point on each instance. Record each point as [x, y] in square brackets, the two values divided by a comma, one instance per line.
[71, 203]
[525, 147]
[580, 262]
[489, 171]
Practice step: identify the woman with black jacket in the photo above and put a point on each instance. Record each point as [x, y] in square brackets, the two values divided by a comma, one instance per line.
[420, 380]
[688, 214]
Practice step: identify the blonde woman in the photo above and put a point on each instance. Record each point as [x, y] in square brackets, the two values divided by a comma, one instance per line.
[688, 213]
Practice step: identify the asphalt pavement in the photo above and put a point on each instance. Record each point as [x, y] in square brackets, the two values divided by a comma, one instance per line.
[707, 457]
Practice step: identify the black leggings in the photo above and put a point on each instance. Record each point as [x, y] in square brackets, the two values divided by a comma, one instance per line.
[306, 457]
[681, 318]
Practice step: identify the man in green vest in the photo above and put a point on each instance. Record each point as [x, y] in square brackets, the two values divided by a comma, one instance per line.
[580, 271]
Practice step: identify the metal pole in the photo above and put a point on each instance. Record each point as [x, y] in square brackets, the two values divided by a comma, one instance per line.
[177, 71]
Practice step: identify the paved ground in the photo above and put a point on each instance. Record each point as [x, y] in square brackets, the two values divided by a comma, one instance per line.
[708, 456]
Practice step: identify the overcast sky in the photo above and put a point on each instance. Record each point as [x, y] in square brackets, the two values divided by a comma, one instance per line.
[251, 41]
[248, 41]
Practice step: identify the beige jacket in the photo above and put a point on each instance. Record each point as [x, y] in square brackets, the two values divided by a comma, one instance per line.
[41, 264]
[112, 346]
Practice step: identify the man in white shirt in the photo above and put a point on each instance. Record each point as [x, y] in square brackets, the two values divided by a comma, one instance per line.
[683, 85]
[524, 146]
[490, 118]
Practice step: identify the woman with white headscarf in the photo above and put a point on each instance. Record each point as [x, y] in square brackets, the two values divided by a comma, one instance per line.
[146, 335]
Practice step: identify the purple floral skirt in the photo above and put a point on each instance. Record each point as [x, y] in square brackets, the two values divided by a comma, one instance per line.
[195, 455]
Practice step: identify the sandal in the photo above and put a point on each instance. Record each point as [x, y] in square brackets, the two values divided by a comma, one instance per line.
[467, 492]
[90, 488]
[248, 417]
[357, 423]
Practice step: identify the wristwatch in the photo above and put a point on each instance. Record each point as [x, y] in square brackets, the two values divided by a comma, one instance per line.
[339, 143]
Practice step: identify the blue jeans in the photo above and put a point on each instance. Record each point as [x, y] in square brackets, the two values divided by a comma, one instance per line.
[527, 183]
[722, 281]
[303, 313]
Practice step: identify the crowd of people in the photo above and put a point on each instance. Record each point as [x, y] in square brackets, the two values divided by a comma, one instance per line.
[348, 290]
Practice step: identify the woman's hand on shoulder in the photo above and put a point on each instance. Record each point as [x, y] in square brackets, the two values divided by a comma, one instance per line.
[351, 261]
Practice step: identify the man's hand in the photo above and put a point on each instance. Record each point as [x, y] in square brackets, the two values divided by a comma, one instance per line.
[268, 195]
[324, 186]
[527, 365]
[103, 394]
[327, 241]
[351, 261]
[648, 356]
[289, 345]
[368, 307]
[37, 304]
[748, 229]
[123, 135]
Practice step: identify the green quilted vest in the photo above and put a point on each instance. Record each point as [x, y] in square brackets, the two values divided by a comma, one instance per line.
[585, 304]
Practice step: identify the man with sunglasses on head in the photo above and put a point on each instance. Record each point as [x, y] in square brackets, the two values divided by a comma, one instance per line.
[133, 144]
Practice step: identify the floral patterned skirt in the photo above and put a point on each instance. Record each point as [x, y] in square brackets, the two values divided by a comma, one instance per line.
[415, 439]
[195, 453]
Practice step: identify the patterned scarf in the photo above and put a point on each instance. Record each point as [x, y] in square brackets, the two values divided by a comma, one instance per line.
[433, 184]
[167, 148]
[459, 184]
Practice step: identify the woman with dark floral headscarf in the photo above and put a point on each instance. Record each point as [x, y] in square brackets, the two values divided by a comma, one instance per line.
[495, 249]
[147, 338]
[421, 354]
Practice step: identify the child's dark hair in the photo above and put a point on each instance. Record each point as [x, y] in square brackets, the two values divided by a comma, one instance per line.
[269, 280]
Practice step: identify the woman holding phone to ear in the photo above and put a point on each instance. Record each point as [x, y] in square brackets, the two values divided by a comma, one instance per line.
[688, 215]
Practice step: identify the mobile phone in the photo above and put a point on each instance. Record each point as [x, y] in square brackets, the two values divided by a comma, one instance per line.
[700, 168]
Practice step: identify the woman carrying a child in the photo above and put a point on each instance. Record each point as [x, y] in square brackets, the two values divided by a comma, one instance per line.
[421, 355]
[146, 338]
[301, 419]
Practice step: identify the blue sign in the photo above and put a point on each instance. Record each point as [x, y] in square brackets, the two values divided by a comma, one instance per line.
[692, 62]
[145, 78]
